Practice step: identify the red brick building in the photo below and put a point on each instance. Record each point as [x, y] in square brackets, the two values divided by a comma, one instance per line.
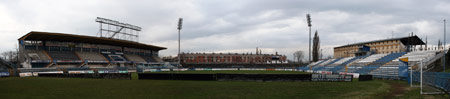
[232, 58]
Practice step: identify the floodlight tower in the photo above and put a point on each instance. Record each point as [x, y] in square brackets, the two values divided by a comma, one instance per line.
[180, 24]
[445, 55]
[308, 17]
[118, 30]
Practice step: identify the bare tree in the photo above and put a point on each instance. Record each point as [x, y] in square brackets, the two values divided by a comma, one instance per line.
[10, 56]
[4, 55]
[298, 55]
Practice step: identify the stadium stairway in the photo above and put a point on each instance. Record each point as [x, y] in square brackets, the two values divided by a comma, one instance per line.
[320, 62]
[337, 63]
[368, 60]
[435, 58]
[315, 63]
[326, 62]
[328, 67]
[387, 59]
[390, 69]
[376, 64]
[354, 59]
[333, 61]
[341, 68]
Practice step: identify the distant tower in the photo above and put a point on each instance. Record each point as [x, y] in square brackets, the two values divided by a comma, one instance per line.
[439, 44]
[256, 50]
[426, 42]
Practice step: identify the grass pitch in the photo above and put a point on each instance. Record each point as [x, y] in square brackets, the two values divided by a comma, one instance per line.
[76, 88]
[35, 87]
[235, 72]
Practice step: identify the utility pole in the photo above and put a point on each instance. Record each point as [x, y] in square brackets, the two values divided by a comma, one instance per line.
[308, 17]
[180, 24]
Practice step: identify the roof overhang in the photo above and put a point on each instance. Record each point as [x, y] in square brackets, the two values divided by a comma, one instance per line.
[410, 40]
[63, 37]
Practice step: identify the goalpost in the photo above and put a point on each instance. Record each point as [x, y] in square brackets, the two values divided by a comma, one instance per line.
[419, 77]
[428, 82]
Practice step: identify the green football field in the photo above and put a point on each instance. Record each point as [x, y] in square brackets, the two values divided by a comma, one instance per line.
[76, 88]
[236, 72]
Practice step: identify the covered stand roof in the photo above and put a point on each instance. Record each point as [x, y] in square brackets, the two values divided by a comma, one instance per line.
[413, 40]
[62, 37]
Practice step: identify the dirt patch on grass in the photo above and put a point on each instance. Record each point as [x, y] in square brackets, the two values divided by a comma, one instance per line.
[396, 90]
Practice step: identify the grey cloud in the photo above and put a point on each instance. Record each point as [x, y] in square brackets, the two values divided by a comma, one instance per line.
[234, 25]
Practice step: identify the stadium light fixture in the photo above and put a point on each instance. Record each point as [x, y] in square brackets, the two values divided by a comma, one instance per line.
[117, 23]
[308, 17]
[123, 31]
[444, 44]
[180, 25]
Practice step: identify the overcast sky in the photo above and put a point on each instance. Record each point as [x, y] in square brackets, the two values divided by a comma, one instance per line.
[231, 25]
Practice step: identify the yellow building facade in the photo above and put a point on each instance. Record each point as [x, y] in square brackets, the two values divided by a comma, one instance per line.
[385, 46]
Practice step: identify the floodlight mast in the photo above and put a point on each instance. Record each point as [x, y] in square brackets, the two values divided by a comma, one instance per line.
[308, 17]
[180, 25]
[445, 54]
[120, 29]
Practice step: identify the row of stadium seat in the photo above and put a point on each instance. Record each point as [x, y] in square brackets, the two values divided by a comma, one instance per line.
[380, 65]
[39, 56]
[368, 60]
[63, 56]
[92, 57]
[387, 58]
[135, 58]
[341, 61]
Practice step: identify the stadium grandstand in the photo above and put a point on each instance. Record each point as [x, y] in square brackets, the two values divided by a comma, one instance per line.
[384, 46]
[379, 58]
[46, 51]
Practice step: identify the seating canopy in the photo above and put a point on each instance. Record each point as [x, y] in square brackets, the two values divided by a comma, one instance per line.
[62, 37]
